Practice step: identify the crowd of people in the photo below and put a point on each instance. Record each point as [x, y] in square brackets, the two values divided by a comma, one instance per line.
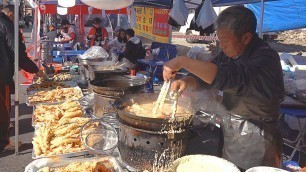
[124, 41]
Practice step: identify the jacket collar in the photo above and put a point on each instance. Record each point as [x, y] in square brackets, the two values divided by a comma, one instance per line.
[254, 45]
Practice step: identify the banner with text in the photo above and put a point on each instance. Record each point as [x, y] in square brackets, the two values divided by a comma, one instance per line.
[152, 23]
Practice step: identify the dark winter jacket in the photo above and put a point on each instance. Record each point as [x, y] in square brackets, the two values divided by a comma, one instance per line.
[252, 84]
[7, 48]
[134, 50]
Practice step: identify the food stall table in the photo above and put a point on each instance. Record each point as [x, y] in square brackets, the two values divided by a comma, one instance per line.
[67, 53]
[295, 109]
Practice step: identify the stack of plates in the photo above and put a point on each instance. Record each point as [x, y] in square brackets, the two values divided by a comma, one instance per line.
[265, 169]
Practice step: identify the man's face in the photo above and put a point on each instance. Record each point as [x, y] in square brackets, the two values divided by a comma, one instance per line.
[231, 45]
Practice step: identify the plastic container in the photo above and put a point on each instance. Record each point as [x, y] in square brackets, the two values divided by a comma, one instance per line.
[291, 166]
[99, 137]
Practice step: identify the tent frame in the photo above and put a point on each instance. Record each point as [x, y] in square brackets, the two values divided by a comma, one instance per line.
[16, 44]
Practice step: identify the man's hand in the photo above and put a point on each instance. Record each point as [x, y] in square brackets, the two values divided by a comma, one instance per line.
[179, 85]
[171, 67]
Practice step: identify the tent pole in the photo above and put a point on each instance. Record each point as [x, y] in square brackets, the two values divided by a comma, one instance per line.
[35, 31]
[16, 44]
[261, 19]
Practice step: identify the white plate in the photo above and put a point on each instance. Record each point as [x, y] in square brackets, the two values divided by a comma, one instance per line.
[203, 163]
[265, 169]
[49, 162]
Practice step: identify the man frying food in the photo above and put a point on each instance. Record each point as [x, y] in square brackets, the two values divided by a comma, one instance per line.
[249, 73]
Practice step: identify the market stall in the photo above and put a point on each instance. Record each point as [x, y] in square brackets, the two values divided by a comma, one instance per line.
[97, 117]
[111, 124]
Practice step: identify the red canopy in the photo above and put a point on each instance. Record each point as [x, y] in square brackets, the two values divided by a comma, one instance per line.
[77, 9]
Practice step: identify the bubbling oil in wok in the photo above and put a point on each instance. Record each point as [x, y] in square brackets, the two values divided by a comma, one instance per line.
[145, 110]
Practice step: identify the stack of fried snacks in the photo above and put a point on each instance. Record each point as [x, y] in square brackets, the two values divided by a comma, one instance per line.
[56, 95]
[55, 78]
[87, 166]
[61, 77]
[55, 113]
[59, 138]
[46, 85]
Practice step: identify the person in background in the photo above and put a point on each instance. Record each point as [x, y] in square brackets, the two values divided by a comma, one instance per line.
[7, 70]
[52, 34]
[116, 34]
[70, 31]
[133, 49]
[64, 34]
[249, 73]
[119, 42]
[97, 34]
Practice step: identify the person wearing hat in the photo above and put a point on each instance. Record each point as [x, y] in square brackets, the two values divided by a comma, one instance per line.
[97, 33]
[7, 61]
[71, 32]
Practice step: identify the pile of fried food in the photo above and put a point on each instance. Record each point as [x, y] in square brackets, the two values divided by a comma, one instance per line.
[60, 137]
[87, 166]
[50, 82]
[57, 95]
[46, 85]
[145, 110]
[61, 77]
[57, 113]
[55, 78]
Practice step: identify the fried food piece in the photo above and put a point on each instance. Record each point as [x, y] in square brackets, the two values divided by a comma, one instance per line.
[87, 166]
[56, 139]
[55, 113]
[64, 142]
[45, 169]
[69, 128]
[56, 95]
[73, 114]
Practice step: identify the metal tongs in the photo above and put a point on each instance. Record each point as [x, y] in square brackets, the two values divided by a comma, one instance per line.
[173, 96]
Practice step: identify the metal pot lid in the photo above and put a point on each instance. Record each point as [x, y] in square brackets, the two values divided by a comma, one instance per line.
[117, 83]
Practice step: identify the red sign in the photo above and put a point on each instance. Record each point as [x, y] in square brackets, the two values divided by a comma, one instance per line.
[160, 23]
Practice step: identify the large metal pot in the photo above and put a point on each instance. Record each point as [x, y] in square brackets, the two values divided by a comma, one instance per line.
[180, 121]
[118, 86]
[102, 74]
[151, 143]
[107, 91]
